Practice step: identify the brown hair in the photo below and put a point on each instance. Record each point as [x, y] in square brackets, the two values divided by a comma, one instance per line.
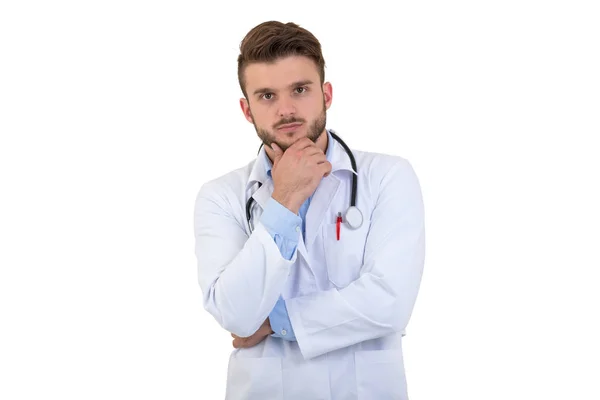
[271, 40]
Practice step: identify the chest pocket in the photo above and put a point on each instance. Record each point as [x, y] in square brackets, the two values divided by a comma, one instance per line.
[344, 257]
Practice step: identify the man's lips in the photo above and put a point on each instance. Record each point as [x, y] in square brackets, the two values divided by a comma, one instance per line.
[289, 127]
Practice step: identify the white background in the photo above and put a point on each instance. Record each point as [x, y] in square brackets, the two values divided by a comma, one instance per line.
[114, 113]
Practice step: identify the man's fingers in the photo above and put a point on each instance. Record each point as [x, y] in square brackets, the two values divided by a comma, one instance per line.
[319, 157]
[241, 343]
[312, 150]
[302, 144]
[326, 168]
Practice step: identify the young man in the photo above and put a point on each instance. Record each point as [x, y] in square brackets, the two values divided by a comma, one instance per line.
[316, 294]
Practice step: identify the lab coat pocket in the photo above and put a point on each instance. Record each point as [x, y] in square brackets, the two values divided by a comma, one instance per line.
[254, 378]
[306, 381]
[344, 257]
[380, 375]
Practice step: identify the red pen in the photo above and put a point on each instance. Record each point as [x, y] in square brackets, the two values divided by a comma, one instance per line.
[337, 225]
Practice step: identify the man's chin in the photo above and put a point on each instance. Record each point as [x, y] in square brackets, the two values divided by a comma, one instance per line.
[286, 139]
[296, 133]
[289, 138]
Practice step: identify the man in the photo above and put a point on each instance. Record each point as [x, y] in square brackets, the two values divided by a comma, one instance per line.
[316, 301]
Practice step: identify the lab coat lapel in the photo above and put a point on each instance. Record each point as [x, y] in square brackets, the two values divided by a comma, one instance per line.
[319, 205]
[325, 192]
[259, 174]
[263, 194]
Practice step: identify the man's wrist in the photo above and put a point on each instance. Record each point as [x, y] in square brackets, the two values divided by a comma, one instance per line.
[288, 201]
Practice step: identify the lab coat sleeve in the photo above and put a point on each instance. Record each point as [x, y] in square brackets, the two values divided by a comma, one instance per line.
[241, 277]
[380, 301]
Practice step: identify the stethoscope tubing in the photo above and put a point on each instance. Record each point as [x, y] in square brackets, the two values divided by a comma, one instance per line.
[354, 179]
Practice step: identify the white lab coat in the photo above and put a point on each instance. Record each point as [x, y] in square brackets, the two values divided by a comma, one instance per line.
[349, 301]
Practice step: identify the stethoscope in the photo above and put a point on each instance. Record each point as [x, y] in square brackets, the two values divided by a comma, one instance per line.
[353, 217]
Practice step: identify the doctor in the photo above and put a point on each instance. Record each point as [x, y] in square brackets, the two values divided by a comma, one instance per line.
[315, 293]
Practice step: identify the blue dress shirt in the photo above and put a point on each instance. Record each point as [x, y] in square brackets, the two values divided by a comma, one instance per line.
[281, 223]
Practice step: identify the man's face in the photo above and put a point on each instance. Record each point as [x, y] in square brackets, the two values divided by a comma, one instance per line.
[286, 101]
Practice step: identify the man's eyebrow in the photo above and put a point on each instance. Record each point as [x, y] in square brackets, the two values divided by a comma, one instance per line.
[302, 83]
[293, 85]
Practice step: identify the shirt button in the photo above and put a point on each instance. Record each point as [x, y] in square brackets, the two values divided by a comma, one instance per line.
[297, 229]
[283, 332]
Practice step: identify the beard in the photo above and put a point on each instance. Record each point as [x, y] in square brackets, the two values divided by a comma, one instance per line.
[315, 129]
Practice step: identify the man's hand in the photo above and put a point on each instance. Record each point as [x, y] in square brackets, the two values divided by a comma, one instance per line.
[262, 332]
[297, 172]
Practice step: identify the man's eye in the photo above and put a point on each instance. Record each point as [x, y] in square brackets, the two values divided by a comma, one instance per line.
[300, 89]
[267, 96]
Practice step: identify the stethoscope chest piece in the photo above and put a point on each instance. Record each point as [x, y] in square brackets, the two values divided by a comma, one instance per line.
[354, 217]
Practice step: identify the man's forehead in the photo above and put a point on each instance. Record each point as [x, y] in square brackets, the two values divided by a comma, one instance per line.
[280, 73]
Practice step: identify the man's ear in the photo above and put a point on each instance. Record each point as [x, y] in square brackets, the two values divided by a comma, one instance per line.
[327, 94]
[246, 109]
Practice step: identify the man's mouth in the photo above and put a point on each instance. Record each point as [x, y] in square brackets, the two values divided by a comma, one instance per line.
[289, 127]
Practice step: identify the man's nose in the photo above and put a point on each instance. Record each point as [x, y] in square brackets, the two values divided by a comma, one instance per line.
[286, 107]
